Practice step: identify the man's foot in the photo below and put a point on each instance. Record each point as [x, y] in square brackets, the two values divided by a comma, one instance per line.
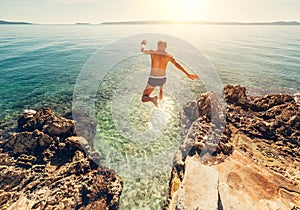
[154, 101]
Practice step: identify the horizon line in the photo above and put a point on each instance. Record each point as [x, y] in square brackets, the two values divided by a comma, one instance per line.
[204, 22]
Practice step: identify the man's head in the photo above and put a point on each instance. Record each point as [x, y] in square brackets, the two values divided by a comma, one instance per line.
[162, 45]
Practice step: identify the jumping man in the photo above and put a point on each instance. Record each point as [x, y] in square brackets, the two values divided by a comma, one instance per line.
[159, 61]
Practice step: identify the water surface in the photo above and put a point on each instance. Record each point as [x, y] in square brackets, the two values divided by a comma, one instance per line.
[39, 65]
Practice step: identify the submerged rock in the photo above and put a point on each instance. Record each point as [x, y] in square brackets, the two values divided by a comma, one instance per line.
[256, 154]
[44, 165]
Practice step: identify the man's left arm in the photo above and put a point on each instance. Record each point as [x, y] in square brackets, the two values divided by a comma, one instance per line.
[181, 68]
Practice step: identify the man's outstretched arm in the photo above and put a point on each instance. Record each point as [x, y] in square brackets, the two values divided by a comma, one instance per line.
[144, 42]
[181, 68]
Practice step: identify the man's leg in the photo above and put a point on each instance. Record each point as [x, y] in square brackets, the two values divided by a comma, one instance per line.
[161, 97]
[146, 95]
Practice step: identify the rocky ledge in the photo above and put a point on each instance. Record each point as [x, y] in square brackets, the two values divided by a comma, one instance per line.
[249, 162]
[45, 165]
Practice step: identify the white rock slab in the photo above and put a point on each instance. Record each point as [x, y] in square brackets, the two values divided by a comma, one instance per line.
[199, 188]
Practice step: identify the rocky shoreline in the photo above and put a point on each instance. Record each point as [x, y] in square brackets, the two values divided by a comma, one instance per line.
[251, 161]
[45, 165]
[256, 164]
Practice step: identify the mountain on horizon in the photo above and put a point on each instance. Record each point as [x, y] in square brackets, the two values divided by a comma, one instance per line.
[201, 22]
[15, 23]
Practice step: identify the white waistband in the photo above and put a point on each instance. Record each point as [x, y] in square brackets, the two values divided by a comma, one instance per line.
[158, 77]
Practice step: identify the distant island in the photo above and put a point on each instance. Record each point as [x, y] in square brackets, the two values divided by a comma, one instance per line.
[14, 23]
[199, 22]
[83, 24]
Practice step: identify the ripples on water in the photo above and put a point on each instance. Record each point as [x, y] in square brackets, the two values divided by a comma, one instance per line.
[134, 138]
[39, 65]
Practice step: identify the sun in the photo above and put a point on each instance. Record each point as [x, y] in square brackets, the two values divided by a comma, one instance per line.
[185, 9]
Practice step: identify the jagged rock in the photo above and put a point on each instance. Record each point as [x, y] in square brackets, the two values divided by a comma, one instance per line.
[59, 127]
[44, 167]
[204, 105]
[25, 160]
[189, 115]
[26, 142]
[297, 98]
[46, 121]
[256, 153]
[31, 120]
[266, 102]
[21, 143]
[79, 142]
[22, 203]
[236, 95]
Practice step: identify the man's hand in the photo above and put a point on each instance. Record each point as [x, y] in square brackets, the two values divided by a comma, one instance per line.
[144, 42]
[193, 76]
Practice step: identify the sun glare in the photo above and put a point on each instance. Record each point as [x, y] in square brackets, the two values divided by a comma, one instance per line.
[186, 9]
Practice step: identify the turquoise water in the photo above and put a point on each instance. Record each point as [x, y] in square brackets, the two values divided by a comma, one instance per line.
[39, 65]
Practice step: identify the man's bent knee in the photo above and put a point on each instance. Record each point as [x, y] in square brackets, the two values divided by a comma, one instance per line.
[144, 98]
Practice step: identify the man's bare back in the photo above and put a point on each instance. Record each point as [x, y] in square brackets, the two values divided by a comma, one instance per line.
[159, 61]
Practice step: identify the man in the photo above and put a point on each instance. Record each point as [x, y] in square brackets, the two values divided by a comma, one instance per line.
[159, 61]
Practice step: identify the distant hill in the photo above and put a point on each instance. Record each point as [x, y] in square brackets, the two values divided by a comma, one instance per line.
[83, 24]
[15, 23]
[154, 22]
[199, 22]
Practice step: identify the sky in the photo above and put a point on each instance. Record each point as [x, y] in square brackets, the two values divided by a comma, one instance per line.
[97, 11]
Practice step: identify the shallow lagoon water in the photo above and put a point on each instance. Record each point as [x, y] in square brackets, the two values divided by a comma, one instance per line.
[137, 139]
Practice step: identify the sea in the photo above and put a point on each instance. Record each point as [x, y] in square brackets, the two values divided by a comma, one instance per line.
[40, 66]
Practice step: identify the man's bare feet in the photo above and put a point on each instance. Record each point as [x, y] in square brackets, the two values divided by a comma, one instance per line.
[155, 101]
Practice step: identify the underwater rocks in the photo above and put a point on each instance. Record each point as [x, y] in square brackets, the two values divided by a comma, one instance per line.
[253, 146]
[44, 165]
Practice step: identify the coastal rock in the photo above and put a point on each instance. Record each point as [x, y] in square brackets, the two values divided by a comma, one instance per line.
[31, 119]
[44, 166]
[266, 102]
[207, 134]
[199, 187]
[244, 182]
[297, 98]
[189, 115]
[46, 121]
[26, 142]
[79, 142]
[256, 154]
[236, 95]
